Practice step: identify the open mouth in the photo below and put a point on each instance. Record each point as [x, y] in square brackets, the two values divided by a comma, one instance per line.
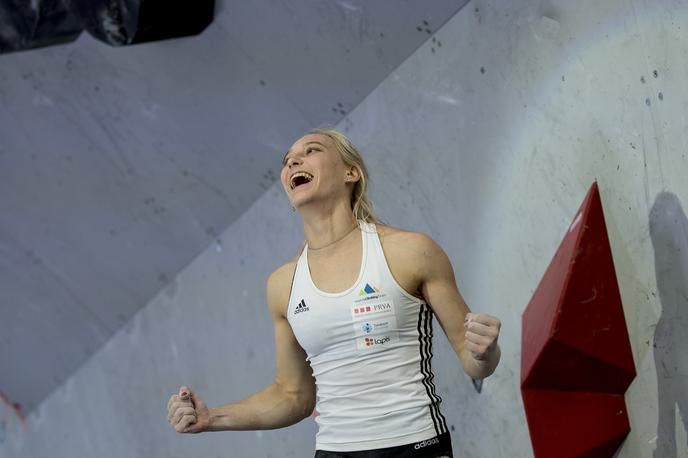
[300, 178]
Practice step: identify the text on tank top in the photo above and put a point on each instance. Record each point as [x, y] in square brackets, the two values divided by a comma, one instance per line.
[370, 348]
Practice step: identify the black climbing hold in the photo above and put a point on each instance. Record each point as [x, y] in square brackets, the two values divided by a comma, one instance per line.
[26, 25]
[124, 22]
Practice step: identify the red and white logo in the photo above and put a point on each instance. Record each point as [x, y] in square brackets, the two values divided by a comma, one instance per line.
[381, 308]
[370, 341]
[362, 309]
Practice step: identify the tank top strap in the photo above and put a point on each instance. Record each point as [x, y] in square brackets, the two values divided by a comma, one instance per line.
[369, 231]
[302, 256]
[300, 263]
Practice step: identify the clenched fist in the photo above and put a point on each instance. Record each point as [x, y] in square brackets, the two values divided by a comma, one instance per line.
[481, 335]
[187, 413]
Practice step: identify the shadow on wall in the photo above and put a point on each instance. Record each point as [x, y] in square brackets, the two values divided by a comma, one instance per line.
[669, 232]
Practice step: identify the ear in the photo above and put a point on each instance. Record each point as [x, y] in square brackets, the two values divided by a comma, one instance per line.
[352, 175]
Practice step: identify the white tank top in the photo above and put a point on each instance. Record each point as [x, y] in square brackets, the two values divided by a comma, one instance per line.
[370, 348]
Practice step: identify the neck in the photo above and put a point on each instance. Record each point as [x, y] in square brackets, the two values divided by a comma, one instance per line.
[327, 228]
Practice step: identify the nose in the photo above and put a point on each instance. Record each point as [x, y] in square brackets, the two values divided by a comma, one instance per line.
[293, 161]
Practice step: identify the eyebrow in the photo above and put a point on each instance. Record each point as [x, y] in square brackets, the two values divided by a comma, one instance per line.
[284, 159]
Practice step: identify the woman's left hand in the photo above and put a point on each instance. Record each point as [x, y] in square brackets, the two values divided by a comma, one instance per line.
[482, 332]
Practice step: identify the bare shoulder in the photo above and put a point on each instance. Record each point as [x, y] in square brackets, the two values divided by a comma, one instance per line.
[279, 287]
[411, 256]
[402, 242]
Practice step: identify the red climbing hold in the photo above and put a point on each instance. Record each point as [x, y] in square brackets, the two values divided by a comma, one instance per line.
[576, 360]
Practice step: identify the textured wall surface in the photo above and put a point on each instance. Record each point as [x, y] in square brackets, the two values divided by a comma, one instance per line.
[489, 144]
[119, 165]
[487, 139]
[501, 131]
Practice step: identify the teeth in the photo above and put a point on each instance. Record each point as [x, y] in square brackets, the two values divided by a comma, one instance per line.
[299, 174]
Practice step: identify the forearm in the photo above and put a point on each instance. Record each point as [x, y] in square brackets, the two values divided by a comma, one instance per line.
[270, 408]
[479, 369]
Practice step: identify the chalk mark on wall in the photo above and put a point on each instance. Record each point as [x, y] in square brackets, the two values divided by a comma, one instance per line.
[10, 410]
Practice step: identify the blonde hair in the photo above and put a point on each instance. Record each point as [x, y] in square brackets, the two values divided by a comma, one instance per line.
[361, 205]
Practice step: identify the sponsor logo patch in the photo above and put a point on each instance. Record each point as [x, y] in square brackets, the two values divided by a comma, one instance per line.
[301, 307]
[426, 443]
[382, 308]
[374, 320]
[370, 341]
[377, 326]
[369, 290]
[369, 293]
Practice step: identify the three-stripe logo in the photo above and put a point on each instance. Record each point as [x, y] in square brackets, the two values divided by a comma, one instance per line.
[301, 307]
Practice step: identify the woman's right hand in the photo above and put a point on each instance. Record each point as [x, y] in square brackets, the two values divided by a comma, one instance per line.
[187, 413]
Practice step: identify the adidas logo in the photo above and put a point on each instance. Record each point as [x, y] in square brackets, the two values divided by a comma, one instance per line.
[426, 443]
[301, 307]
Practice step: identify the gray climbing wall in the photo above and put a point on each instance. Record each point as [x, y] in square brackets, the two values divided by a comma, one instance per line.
[118, 165]
[487, 139]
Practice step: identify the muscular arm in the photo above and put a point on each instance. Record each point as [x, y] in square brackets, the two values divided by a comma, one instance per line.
[438, 286]
[291, 397]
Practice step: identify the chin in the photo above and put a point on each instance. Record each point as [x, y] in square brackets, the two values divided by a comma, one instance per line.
[297, 204]
[300, 199]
